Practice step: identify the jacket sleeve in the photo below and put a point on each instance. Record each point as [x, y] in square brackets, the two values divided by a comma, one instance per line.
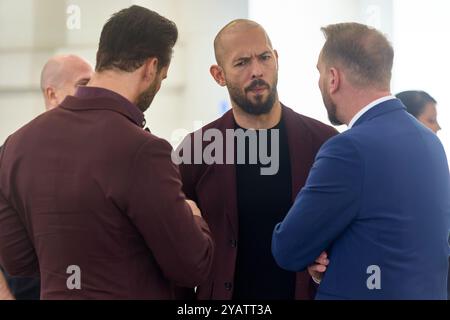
[323, 209]
[17, 254]
[180, 242]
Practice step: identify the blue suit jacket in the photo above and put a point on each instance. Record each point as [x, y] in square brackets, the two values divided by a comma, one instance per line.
[377, 195]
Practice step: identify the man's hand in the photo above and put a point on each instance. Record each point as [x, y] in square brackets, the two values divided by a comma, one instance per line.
[194, 208]
[317, 270]
[5, 293]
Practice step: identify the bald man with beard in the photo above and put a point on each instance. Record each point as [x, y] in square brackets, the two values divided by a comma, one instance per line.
[240, 204]
[60, 77]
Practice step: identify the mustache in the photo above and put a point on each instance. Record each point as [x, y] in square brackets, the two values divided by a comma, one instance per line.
[257, 83]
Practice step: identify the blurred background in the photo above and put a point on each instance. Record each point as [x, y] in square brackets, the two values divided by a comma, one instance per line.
[31, 31]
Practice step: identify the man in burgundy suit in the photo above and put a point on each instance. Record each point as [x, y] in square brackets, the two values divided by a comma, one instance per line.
[92, 201]
[242, 201]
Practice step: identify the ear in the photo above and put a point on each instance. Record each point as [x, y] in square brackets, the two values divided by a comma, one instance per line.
[334, 80]
[217, 73]
[51, 99]
[150, 70]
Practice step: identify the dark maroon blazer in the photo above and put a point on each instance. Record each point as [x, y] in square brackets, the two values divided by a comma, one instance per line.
[213, 187]
[85, 185]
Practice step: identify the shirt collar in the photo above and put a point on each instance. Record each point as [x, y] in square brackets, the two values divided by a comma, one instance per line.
[367, 108]
[137, 115]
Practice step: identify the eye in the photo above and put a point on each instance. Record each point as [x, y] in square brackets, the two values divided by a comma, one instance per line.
[82, 82]
[241, 63]
[265, 56]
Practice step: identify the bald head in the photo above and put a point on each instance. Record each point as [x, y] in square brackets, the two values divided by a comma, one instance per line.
[247, 65]
[235, 27]
[61, 76]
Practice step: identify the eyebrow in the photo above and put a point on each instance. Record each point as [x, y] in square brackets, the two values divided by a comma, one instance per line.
[265, 52]
[246, 58]
[241, 59]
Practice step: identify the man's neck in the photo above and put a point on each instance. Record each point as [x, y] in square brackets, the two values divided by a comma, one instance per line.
[264, 121]
[119, 83]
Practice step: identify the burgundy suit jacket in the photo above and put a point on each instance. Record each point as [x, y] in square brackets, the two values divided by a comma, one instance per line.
[213, 187]
[84, 185]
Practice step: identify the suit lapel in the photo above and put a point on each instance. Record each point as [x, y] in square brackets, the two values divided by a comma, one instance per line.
[226, 174]
[300, 150]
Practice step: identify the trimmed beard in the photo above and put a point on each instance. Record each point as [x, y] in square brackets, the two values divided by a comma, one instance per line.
[145, 99]
[260, 107]
[331, 109]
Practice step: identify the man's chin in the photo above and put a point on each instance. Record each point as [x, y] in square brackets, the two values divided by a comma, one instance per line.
[334, 120]
[260, 109]
[258, 99]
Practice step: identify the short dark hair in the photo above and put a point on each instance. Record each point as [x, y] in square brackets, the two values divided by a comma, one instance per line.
[415, 101]
[133, 35]
[362, 50]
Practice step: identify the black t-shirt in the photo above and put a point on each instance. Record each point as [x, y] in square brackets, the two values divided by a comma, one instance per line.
[263, 201]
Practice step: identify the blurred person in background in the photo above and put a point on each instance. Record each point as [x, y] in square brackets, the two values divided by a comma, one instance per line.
[422, 106]
[60, 77]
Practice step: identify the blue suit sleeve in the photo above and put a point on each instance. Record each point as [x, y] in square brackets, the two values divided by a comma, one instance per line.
[323, 209]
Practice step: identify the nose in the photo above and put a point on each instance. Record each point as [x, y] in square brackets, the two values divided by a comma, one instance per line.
[257, 70]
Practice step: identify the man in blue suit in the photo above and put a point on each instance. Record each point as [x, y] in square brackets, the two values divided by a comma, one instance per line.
[377, 199]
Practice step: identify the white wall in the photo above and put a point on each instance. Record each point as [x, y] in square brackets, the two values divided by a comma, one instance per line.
[294, 27]
[422, 45]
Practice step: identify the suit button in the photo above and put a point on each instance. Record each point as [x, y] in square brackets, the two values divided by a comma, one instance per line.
[228, 286]
[233, 243]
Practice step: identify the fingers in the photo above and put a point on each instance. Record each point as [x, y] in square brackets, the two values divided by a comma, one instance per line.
[318, 268]
[194, 208]
[316, 271]
[323, 259]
